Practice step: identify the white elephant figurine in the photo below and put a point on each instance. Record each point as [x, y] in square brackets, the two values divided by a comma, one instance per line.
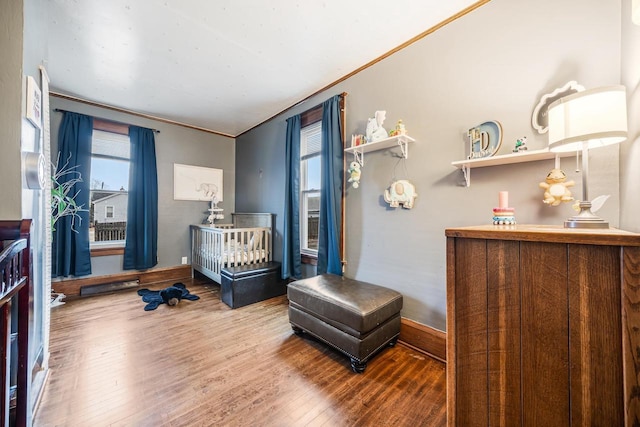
[401, 192]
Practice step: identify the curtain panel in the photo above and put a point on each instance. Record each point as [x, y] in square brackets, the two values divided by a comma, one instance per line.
[291, 260]
[331, 164]
[141, 245]
[71, 254]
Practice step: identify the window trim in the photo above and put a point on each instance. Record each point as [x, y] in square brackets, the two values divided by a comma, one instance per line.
[111, 247]
[106, 211]
[304, 191]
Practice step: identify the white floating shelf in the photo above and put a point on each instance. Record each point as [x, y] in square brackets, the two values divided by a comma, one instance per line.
[391, 142]
[506, 159]
[401, 141]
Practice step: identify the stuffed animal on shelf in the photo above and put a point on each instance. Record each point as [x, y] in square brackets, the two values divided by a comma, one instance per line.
[354, 174]
[401, 192]
[556, 188]
[521, 145]
[170, 296]
[375, 131]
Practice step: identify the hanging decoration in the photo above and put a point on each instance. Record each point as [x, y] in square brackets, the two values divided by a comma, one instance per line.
[556, 186]
[401, 192]
[354, 174]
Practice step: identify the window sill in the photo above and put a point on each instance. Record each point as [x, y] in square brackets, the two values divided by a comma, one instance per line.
[308, 259]
[107, 250]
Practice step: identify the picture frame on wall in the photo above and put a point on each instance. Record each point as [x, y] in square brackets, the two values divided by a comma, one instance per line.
[197, 183]
[34, 103]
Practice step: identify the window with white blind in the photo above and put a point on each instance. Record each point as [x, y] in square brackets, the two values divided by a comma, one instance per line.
[310, 184]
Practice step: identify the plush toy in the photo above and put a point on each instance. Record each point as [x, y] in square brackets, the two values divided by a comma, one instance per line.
[521, 145]
[170, 296]
[354, 174]
[375, 131]
[556, 188]
[401, 192]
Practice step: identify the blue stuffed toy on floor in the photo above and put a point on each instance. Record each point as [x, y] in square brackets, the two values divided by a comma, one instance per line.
[170, 296]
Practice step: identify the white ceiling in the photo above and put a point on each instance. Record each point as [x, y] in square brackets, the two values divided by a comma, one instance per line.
[223, 65]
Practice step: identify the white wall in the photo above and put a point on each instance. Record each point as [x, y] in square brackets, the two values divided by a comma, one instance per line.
[630, 150]
[493, 64]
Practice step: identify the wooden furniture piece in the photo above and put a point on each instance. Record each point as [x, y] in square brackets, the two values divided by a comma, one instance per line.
[543, 326]
[247, 241]
[15, 289]
[250, 283]
[357, 318]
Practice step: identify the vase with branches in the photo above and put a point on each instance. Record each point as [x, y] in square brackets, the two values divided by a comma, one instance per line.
[63, 200]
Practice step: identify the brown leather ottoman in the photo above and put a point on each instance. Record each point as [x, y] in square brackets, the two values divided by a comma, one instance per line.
[355, 317]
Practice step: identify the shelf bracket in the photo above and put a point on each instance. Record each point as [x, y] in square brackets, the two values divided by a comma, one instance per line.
[358, 156]
[466, 171]
[404, 147]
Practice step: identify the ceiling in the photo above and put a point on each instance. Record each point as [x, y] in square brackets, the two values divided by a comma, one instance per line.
[223, 65]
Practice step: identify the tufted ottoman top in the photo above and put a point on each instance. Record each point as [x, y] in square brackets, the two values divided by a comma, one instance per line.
[358, 305]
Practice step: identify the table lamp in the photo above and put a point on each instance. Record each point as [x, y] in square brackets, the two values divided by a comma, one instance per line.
[582, 121]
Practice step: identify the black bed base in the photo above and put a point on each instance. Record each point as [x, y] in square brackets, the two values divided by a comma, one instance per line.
[248, 284]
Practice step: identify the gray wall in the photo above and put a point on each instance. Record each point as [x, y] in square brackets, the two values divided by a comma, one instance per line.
[630, 150]
[11, 26]
[174, 144]
[493, 64]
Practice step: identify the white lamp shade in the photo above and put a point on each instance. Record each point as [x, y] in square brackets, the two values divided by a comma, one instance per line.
[595, 117]
[635, 12]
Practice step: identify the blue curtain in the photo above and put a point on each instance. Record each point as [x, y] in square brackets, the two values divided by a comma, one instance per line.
[291, 261]
[332, 154]
[141, 245]
[70, 253]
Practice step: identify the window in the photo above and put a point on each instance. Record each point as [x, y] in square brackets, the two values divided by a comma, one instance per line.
[310, 140]
[108, 187]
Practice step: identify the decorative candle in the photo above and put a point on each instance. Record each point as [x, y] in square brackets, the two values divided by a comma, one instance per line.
[504, 199]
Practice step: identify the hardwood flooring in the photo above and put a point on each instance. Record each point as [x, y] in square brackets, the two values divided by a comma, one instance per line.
[203, 364]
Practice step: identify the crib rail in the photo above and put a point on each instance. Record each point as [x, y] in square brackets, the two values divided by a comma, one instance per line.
[15, 288]
[214, 248]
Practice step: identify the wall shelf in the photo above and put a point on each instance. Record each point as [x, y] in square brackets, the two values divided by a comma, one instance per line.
[505, 159]
[401, 141]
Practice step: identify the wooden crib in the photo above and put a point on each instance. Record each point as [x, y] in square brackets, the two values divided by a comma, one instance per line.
[245, 242]
[15, 289]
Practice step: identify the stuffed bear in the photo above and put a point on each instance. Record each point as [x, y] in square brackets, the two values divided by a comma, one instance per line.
[170, 296]
[354, 174]
[556, 188]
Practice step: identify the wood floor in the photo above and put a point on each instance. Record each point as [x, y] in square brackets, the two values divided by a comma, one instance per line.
[202, 364]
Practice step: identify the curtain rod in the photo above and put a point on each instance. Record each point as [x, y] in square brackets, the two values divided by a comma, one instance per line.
[60, 110]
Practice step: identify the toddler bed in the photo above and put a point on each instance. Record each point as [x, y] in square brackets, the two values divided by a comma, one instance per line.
[247, 241]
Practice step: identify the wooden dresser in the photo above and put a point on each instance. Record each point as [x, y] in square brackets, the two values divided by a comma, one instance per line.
[543, 326]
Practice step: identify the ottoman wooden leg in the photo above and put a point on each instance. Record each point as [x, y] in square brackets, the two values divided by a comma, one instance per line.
[296, 330]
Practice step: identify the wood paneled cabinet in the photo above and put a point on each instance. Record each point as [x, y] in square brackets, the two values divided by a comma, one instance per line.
[543, 327]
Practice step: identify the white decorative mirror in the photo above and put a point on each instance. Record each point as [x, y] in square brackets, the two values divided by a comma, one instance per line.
[539, 119]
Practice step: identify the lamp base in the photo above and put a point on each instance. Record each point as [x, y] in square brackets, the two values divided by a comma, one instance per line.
[586, 218]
